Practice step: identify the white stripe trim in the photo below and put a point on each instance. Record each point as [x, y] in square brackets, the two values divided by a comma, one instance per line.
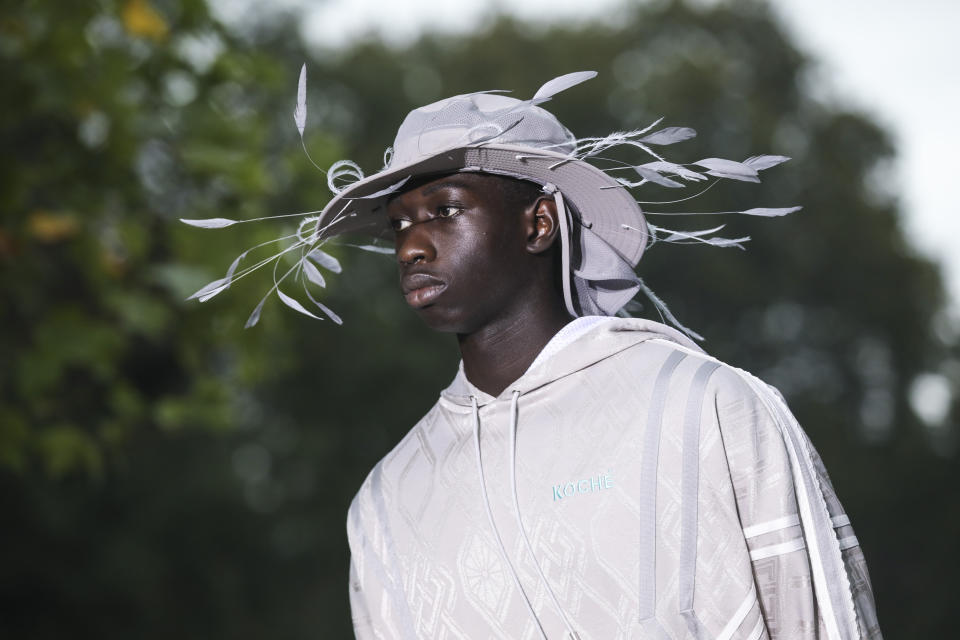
[740, 614]
[757, 630]
[771, 525]
[778, 549]
[849, 541]
[843, 520]
[813, 515]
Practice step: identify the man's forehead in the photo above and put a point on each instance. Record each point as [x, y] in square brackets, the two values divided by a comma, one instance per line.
[481, 184]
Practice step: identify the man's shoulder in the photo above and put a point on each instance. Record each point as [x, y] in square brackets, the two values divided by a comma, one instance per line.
[683, 370]
[391, 464]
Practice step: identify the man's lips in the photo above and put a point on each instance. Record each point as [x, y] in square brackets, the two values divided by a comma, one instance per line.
[421, 289]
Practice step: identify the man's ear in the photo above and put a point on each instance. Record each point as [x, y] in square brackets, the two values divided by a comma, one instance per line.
[543, 225]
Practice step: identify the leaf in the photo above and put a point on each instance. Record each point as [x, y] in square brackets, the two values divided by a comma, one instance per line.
[764, 162]
[141, 19]
[296, 306]
[373, 248]
[313, 274]
[770, 213]
[730, 169]
[653, 176]
[561, 83]
[325, 260]
[209, 223]
[255, 316]
[300, 113]
[669, 135]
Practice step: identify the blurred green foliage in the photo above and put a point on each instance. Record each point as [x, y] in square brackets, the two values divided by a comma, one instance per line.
[164, 472]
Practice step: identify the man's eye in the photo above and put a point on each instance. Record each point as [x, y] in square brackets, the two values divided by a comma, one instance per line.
[448, 211]
[399, 224]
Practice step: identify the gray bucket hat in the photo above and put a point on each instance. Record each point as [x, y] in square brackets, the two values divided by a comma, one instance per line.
[495, 134]
[604, 232]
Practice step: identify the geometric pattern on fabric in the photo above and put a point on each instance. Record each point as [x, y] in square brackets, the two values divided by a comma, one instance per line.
[425, 562]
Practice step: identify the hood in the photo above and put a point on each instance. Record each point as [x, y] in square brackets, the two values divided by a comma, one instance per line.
[603, 338]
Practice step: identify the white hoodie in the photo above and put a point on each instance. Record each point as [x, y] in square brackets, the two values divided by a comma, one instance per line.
[626, 486]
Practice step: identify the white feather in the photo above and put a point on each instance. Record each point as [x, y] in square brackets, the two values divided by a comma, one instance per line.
[255, 316]
[210, 289]
[770, 213]
[300, 113]
[209, 223]
[665, 311]
[653, 176]
[313, 274]
[561, 83]
[341, 168]
[669, 135]
[730, 169]
[383, 192]
[222, 284]
[327, 310]
[764, 162]
[325, 260]
[296, 306]
[372, 248]
[680, 170]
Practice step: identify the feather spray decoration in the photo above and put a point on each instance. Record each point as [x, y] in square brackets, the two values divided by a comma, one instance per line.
[294, 304]
[209, 223]
[664, 311]
[652, 175]
[300, 113]
[325, 260]
[343, 168]
[722, 168]
[764, 162]
[382, 192]
[313, 274]
[222, 284]
[678, 169]
[561, 83]
[324, 308]
[763, 212]
[669, 135]
[373, 248]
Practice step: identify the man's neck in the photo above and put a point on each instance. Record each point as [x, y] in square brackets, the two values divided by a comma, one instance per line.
[503, 350]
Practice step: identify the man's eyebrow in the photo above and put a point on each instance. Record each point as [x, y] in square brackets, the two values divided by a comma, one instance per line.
[446, 184]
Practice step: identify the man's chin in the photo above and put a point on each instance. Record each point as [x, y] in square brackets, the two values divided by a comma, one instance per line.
[445, 320]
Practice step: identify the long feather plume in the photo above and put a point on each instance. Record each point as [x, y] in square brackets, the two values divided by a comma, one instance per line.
[561, 83]
[300, 112]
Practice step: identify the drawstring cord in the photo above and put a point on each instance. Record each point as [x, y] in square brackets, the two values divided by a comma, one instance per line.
[516, 509]
[493, 526]
[564, 219]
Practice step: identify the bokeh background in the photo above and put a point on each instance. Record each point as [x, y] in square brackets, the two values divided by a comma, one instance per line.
[166, 473]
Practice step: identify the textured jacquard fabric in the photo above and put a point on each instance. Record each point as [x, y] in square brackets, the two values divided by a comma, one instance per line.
[661, 494]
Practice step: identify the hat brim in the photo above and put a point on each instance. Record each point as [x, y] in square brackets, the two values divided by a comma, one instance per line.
[603, 204]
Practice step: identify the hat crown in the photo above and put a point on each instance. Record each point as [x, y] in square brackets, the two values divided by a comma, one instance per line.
[476, 119]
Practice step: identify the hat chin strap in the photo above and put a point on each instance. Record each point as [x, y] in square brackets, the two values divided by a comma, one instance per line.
[562, 216]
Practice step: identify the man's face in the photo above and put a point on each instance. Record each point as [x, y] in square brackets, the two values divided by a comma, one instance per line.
[461, 253]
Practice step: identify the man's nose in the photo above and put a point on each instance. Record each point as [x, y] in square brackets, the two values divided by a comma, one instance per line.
[416, 246]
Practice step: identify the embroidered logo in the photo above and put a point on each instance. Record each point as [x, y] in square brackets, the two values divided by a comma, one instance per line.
[592, 484]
